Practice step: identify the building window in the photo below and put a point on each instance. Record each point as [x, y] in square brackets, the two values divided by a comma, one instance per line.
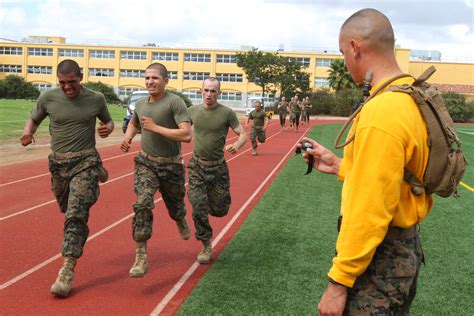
[229, 77]
[321, 82]
[304, 61]
[66, 52]
[124, 54]
[43, 86]
[268, 98]
[35, 51]
[200, 58]
[104, 54]
[14, 69]
[101, 72]
[196, 75]
[132, 73]
[43, 70]
[125, 92]
[230, 96]
[193, 94]
[173, 75]
[324, 62]
[226, 59]
[164, 56]
[7, 50]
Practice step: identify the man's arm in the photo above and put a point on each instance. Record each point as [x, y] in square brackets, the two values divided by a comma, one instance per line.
[325, 161]
[233, 148]
[181, 134]
[28, 132]
[132, 130]
[105, 129]
[265, 121]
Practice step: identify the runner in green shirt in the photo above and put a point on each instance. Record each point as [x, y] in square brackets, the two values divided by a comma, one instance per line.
[260, 123]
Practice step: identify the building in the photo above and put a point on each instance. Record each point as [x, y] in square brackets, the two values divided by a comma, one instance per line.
[122, 67]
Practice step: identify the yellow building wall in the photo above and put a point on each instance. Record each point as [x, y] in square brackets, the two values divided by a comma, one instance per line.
[446, 73]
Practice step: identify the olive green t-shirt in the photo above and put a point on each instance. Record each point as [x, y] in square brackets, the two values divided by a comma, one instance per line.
[72, 121]
[282, 108]
[210, 129]
[167, 112]
[258, 118]
[294, 107]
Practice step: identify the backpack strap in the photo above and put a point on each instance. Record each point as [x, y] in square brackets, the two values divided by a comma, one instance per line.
[425, 75]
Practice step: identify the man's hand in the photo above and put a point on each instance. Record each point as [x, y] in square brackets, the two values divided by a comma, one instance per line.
[231, 149]
[103, 130]
[325, 161]
[126, 145]
[27, 139]
[148, 123]
[333, 300]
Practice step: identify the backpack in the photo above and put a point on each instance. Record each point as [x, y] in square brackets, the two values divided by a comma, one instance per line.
[446, 161]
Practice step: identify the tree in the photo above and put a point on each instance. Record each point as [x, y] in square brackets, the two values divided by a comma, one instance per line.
[339, 78]
[458, 108]
[16, 87]
[106, 90]
[291, 77]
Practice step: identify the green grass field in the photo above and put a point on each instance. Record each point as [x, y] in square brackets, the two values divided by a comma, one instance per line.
[14, 113]
[277, 261]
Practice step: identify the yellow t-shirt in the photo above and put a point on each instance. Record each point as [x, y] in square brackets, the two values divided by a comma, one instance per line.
[390, 134]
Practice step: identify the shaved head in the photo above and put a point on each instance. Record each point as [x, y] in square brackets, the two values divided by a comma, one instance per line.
[372, 27]
[161, 69]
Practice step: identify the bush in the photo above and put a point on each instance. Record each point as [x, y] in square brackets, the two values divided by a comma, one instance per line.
[345, 100]
[460, 110]
[322, 101]
[16, 87]
[106, 90]
[182, 96]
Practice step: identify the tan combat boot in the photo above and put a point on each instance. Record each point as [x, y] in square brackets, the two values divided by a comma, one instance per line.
[63, 283]
[205, 255]
[183, 228]
[140, 266]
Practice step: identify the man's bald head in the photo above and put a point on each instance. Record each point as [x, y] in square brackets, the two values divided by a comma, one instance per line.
[372, 27]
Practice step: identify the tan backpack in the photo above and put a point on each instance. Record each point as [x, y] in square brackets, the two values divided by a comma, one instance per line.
[446, 161]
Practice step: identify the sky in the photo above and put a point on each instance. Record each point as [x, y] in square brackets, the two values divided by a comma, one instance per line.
[292, 25]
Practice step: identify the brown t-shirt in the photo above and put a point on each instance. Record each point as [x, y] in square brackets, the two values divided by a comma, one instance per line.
[258, 117]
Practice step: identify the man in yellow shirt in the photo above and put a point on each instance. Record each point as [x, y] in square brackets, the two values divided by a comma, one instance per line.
[378, 247]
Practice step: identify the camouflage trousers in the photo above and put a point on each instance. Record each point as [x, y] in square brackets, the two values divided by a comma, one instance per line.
[75, 184]
[151, 176]
[209, 194]
[388, 286]
[282, 119]
[257, 133]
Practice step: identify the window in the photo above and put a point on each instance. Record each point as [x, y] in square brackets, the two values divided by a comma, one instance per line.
[304, 61]
[200, 58]
[193, 94]
[324, 62]
[268, 98]
[229, 77]
[104, 54]
[230, 96]
[173, 75]
[66, 52]
[321, 82]
[101, 72]
[226, 59]
[35, 51]
[132, 73]
[15, 69]
[43, 86]
[196, 75]
[125, 92]
[42, 70]
[166, 56]
[6, 50]
[132, 55]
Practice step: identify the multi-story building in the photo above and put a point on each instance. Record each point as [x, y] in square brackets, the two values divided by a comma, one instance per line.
[123, 67]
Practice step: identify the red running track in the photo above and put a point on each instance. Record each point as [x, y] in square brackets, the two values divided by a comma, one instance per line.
[31, 229]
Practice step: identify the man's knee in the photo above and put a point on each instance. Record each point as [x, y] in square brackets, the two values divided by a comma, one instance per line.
[142, 224]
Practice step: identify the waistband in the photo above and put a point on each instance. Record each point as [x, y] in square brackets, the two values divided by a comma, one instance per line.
[208, 163]
[73, 154]
[402, 233]
[175, 159]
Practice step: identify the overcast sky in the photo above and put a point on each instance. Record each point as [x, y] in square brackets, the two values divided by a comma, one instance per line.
[442, 25]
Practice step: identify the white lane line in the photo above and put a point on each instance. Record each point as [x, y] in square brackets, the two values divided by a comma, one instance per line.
[169, 296]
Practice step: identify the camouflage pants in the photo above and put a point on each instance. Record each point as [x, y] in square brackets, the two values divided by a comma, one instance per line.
[257, 133]
[209, 194]
[151, 176]
[282, 119]
[295, 118]
[388, 286]
[75, 184]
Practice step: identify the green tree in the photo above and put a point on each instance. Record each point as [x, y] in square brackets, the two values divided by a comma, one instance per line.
[345, 100]
[339, 78]
[182, 96]
[458, 108]
[291, 77]
[106, 90]
[16, 87]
